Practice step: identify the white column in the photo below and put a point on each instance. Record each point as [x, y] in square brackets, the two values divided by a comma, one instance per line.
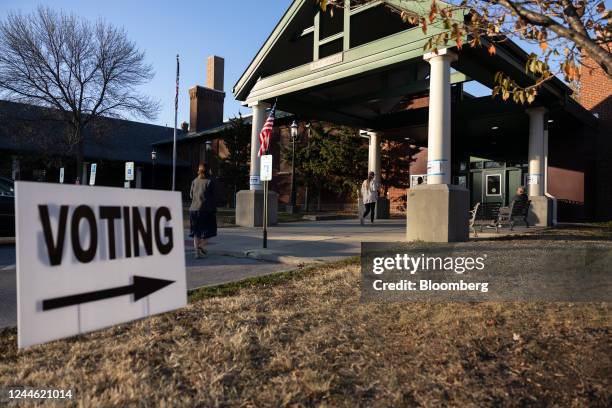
[439, 125]
[259, 118]
[374, 155]
[537, 154]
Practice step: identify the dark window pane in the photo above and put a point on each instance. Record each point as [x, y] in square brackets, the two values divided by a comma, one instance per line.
[375, 23]
[493, 184]
[329, 25]
[330, 48]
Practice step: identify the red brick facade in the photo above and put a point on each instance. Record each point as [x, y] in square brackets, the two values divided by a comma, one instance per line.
[595, 94]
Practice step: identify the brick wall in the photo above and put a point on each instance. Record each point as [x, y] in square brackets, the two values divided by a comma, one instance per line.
[595, 94]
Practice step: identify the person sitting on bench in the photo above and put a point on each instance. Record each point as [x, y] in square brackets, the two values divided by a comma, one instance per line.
[521, 197]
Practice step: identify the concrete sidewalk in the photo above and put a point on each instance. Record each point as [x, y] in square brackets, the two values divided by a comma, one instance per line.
[298, 243]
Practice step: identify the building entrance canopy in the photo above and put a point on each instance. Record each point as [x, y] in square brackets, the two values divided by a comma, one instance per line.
[365, 67]
[357, 67]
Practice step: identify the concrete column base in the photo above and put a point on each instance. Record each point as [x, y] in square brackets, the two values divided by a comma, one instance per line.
[249, 208]
[438, 213]
[383, 208]
[541, 211]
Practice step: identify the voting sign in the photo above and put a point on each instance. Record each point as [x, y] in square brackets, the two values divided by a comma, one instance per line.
[266, 167]
[92, 176]
[89, 259]
[129, 171]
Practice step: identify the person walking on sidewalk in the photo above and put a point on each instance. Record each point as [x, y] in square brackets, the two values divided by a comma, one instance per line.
[203, 211]
[369, 195]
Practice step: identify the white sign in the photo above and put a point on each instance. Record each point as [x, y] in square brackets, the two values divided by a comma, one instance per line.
[324, 62]
[129, 171]
[266, 167]
[417, 179]
[61, 180]
[89, 261]
[254, 181]
[436, 167]
[533, 179]
[92, 176]
[126, 184]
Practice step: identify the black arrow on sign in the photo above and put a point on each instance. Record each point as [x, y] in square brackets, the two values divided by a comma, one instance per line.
[141, 287]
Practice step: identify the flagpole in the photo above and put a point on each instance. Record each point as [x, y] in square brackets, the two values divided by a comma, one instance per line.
[175, 123]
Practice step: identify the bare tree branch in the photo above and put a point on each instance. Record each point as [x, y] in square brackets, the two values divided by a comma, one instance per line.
[82, 69]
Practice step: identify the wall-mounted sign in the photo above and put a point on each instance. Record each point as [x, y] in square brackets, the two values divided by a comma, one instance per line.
[92, 176]
[533, 179]
[323, 62]
[266, 167]
[129, 171]
[417, 179]
[61, 176]
[89, 261]
[436, 167]
[254, 181]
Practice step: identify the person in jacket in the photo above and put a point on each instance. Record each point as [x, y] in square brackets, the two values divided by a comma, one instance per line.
[203, 211]
[369, 195]
[521, 197]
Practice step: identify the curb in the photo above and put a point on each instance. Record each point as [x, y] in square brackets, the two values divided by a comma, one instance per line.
[268, 256]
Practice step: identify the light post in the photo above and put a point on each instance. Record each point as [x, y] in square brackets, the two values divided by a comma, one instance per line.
[207, 158]
[294, 137]
[153, 159]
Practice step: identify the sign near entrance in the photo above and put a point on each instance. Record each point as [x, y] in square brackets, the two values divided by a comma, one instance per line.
[92, 176]
[129, 171]
[254, 181]
[89, 261]
[266, 167]
[61, 178]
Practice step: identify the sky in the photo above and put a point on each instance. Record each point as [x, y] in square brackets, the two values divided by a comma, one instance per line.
[232, 29]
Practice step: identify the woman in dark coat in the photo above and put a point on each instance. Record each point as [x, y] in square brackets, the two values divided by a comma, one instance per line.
[203, 211]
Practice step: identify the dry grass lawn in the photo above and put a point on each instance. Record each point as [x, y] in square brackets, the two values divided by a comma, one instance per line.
[308, 341]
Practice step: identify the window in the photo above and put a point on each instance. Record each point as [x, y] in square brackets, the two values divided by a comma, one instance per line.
[330, 25]
[493, 184]
[493, 164]
[375, 23]
[330, 48]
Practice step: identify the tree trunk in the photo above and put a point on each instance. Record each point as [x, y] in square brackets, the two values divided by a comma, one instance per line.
[78, 154]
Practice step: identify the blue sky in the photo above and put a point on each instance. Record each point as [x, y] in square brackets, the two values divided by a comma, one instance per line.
[233, 29]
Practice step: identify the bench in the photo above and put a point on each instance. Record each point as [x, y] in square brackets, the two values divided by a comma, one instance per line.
[484, 214]
[516, 210]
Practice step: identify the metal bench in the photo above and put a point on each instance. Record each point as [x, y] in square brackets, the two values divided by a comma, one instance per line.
[516, 210]
[484, 214]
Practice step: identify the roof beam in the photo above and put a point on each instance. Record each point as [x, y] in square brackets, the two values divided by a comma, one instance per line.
[385, 93]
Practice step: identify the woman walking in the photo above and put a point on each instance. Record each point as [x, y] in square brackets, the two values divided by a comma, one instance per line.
[203, 211]
[369, 195]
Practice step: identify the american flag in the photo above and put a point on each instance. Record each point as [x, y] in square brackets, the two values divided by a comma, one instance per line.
[266, 133]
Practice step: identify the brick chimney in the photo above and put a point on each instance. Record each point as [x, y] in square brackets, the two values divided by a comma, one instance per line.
[206, 103]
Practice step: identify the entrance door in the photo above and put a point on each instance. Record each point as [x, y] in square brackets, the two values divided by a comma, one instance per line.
[493, 186]
[475, 187]
[514, 182]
